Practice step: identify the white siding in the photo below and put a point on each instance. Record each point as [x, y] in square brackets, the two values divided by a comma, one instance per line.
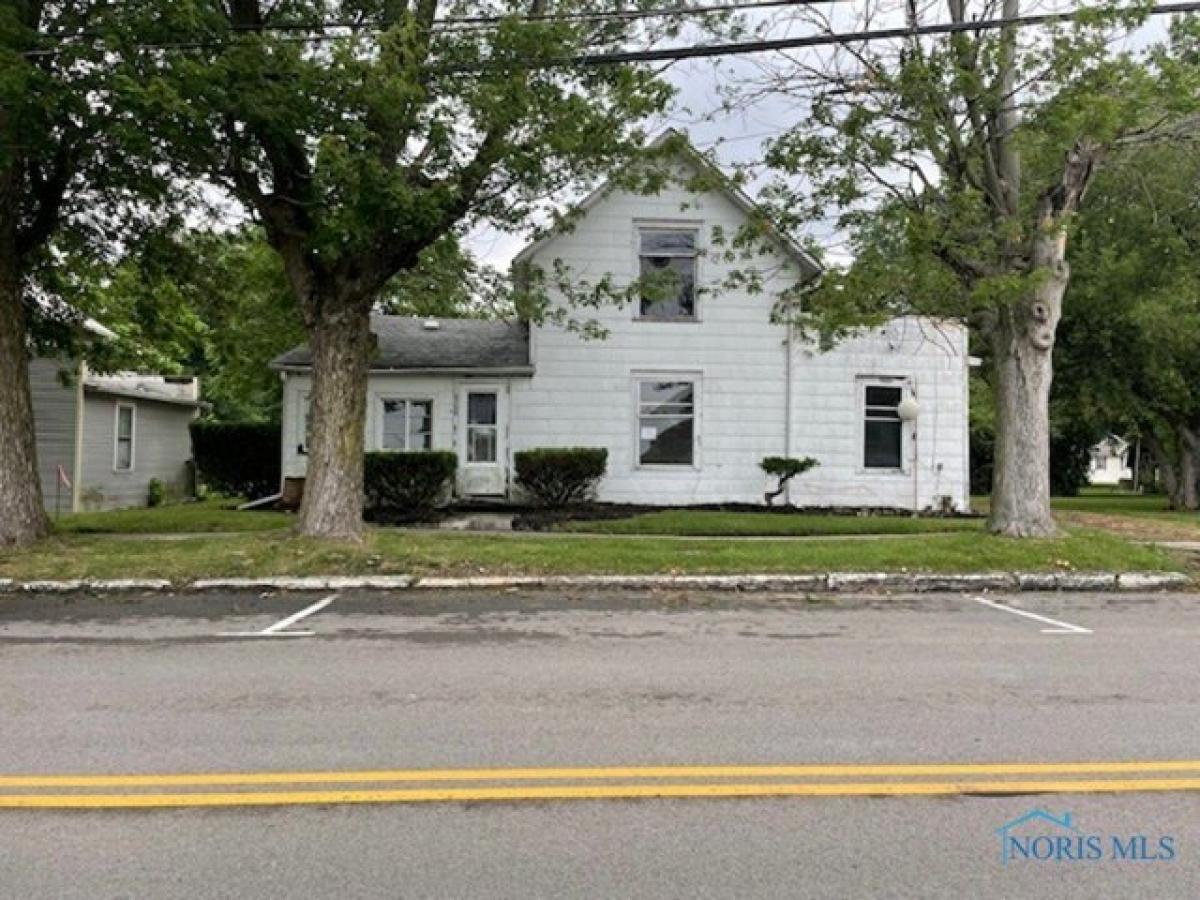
[162, 447]
[296, 389]
[54, 424]
[583, 392]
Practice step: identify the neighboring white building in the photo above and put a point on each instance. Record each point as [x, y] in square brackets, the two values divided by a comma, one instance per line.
[687, 395]
[102, 438]
[1110, 462]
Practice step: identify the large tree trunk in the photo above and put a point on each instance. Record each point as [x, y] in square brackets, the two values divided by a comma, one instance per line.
[1023, 348]
[341, 342]
[22, 515]
[1168, 471]
[1022, 345]
[1189, 470]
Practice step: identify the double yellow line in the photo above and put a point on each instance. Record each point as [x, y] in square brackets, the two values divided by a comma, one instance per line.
[592, 783]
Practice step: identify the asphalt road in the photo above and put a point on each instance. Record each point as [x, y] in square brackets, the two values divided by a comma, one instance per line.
[415, 681]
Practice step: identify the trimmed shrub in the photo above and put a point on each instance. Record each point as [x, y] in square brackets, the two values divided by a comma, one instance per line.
[239, 458]
[400, 485]
[784, 468]
[557, 476]
[156, 492]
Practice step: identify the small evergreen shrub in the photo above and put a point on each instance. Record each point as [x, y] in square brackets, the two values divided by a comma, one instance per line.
[400, 485]
[156, 493]
[238, 458]
[558, 476]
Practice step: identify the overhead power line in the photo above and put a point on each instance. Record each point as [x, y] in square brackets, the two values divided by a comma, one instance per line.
[616, 15]
[739, 48]
[743, 48]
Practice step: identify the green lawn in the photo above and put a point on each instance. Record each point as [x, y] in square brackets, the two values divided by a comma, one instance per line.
[1112, 503]
[393, 551]
[218, 514]
[713, 523]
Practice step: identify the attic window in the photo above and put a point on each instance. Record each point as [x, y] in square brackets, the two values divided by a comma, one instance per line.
[667, 270]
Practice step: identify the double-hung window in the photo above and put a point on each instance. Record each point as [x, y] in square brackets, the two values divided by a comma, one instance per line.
[123, 438]
[407, 424]
[666, 422]
[667, 273]
[883, 431]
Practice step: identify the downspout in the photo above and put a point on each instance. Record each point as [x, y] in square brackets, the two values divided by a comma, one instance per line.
[787, 405]
[77, 462]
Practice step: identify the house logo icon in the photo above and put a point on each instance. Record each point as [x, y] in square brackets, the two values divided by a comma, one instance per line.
[1041, 835]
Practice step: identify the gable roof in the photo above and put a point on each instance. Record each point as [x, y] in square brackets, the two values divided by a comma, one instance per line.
[809, 267]
[446, 346]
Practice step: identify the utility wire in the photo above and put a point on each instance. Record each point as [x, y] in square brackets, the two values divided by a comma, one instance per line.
[740, 48]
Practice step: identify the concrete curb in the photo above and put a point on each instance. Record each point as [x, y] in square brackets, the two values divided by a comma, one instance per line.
[833, 582]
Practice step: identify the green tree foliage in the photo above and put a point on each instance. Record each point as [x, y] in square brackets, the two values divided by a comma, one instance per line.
[73, 158]
[957, 165]
[359, 151]
[1130, 351]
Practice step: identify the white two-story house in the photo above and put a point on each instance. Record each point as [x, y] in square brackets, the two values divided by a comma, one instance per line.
[688, 393]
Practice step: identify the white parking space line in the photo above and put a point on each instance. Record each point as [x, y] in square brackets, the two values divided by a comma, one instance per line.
[279, 629]
[1059, 627]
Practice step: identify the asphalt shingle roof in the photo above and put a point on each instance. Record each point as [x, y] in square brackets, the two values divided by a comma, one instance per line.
[407, 343]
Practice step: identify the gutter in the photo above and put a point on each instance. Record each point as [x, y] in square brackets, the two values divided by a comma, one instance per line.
[520, 371]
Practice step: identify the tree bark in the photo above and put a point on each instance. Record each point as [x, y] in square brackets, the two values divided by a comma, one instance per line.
[341, 342]
[22, 515]
[1189, 469]
[1023, 373]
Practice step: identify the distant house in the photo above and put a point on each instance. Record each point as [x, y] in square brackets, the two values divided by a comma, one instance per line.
[1110, 462]
[102, 438]
[687, 393]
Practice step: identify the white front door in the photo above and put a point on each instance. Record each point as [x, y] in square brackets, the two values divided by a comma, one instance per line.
[482, 440]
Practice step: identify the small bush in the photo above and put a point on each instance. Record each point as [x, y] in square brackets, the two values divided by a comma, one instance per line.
[402, 485]
[557, 476]
[156, 493]
[238, 458]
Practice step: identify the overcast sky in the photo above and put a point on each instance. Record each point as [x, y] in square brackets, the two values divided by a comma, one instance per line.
[737, 137]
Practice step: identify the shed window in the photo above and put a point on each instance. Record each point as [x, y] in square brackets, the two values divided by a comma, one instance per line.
[407, 425]
[123, 439]
[666, 422]
[882, 428]
[667, 269]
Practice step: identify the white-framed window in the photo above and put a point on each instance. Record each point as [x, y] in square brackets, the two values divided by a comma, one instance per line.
[883, 430]
[124, 428]
[666, 421]
[405, 424]
[667, 271]
[483, 426]
[304, 422]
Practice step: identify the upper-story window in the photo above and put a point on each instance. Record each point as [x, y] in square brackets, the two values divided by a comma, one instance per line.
[667, 269]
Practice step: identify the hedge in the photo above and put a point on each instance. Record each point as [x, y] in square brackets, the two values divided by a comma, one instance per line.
[557, 476]
[240, 458]
[401, 485]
